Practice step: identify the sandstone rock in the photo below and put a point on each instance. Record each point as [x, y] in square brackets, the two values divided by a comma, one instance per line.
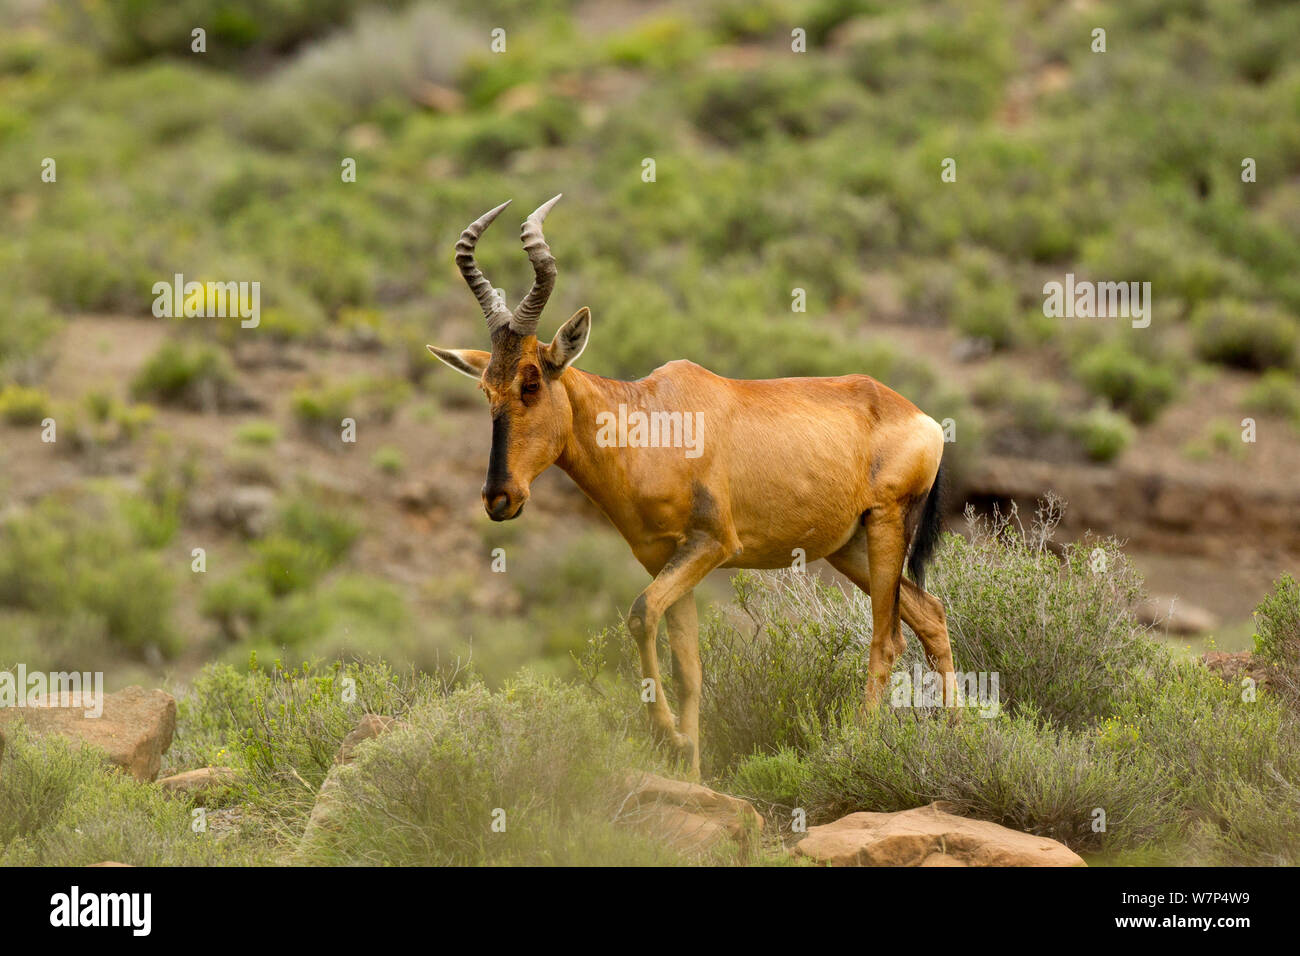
[688, 816]
[439, 98]
[1175, 616]
[928, 836]
[135, 728]
[205, 781]
[422, 494]
[327, 805]
[369, 726]
[1231, 668]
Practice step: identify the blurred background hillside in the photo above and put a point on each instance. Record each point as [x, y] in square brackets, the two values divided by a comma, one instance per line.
[774, 171]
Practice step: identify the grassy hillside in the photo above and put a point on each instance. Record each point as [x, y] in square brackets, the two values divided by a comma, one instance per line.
[774, 171]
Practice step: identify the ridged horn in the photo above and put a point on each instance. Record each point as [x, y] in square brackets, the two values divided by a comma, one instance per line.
[494, 308]
[529, 311]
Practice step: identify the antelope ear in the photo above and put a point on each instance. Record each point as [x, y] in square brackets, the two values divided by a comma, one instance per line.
[469, 362]
[569, 341]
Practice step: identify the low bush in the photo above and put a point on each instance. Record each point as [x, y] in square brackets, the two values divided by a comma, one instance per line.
[1104, 434]
[1244, 335]
[82, 560]
[320, 409]
[531, 775]
[23, 406]
[1059, 630]
[792, 652]
[59, 806]
[1276, 393]
[192, 375]
[1277, 635]
[1137, 384]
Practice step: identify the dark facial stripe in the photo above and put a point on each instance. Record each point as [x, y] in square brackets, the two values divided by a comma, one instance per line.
[498, 461]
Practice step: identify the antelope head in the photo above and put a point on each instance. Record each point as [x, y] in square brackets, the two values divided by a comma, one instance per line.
[531, 415]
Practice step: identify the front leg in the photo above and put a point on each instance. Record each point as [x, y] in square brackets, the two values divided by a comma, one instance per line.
[695, 557]
[688, 675]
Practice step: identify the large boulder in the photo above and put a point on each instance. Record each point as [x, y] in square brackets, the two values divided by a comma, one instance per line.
[1232, 668]
[368, 727]
[928, 836]
[688, 816]
[326, 809]
[134, 730]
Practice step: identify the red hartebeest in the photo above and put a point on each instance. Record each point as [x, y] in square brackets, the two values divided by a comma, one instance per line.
[843, 468]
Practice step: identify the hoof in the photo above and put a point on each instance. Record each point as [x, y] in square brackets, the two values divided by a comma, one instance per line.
[679, 745]
[684, 747]
[685, 753]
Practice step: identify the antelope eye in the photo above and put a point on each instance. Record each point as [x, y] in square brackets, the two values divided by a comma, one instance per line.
[531, 388]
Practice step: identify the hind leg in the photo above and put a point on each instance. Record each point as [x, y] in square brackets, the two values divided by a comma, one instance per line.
[924, 614]
[886, 550]
[873, 560]
[920, 610]
[852, 561]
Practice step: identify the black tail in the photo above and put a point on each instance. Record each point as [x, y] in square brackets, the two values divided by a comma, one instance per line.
[926, 536]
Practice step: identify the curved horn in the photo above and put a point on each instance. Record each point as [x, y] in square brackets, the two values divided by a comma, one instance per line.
[530, 309]
[494, 309]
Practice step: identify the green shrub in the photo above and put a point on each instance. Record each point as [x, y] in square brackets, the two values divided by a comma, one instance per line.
[354, 616]
[661, 43]
[1276, 393]
[236, 605]
[23, 406]
[321, 525]
[793, 653]
[260, 434]
[100, 421]
[233, 26]
[1032, 407]
[739, 107]
[1059, 630]
[990, 314]
[290, 734]
[389, 460]
[1014, 770]
[59, 806]
[1103, 434]
[1247, 336]
[538, 756]
[284, 564]
[1230, 763]
[320, 409]
[1186, 768]
[192, 375]
[1137, 384]
[1277, 635]
[26, 325]
[1221, 437]
[81, 559]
